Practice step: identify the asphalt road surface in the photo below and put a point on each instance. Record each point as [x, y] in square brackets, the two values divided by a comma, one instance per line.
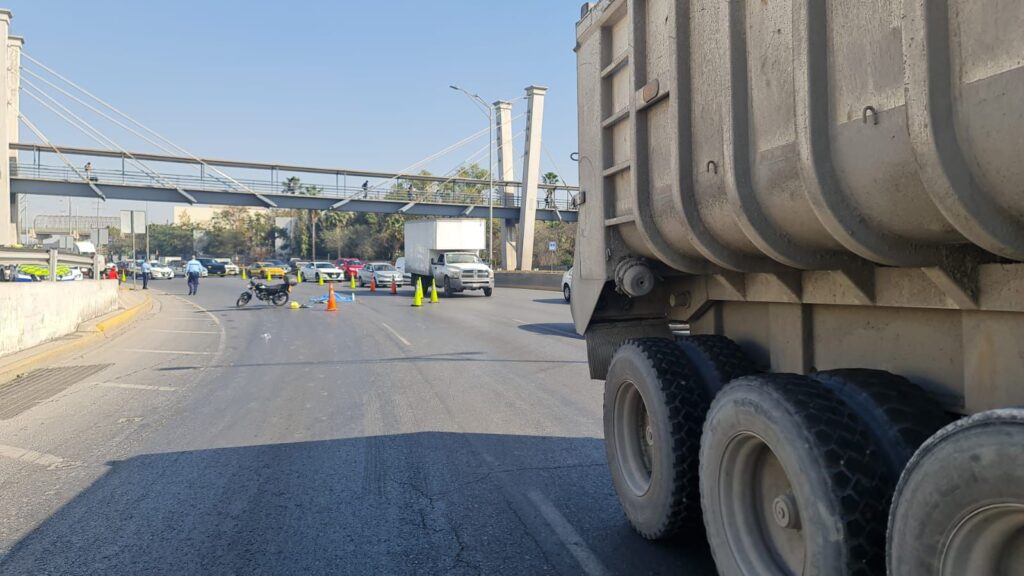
[463, 437]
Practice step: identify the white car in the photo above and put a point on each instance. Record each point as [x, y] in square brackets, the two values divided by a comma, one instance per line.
[230, 268]
[314, 271]
[158, 271]
[72, 275]
[567, 285]
[383, 272]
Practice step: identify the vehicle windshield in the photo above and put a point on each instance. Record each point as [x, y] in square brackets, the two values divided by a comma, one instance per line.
[383, 268]
[324, 265]
[462, 259]
[354, 263]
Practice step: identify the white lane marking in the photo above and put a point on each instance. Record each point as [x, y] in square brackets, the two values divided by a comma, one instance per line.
[182, 352]
[137, 387]
[568, 535]
[186, 332]
[397, 335]
[31, 456]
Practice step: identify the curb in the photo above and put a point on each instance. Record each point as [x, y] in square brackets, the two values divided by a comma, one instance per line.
[85, 339]
[111, 324]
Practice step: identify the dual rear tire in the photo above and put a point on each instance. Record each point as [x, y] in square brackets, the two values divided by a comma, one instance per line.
[786, 474]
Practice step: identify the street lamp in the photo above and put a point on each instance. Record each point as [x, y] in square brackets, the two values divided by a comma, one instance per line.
[489, 112]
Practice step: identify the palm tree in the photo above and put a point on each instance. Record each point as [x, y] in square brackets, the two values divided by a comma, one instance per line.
[550, 178]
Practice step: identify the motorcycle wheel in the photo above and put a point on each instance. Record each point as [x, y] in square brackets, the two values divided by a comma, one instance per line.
[243, 299]
[280, 298]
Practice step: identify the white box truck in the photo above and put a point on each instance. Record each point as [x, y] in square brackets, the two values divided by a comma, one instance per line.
[447, 252]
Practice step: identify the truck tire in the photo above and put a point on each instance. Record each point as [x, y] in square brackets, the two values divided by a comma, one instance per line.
[716, 359]
[786, 484]
[447, 287]
[488, 292]
[899, 414]
[959, 506]
[653, 417]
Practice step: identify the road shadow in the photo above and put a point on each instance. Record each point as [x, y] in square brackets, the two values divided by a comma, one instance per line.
[423, 503]
[563, 329]
[561, 301]
[440, 358]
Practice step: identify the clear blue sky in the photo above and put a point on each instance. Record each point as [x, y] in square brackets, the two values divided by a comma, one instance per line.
[356, 84]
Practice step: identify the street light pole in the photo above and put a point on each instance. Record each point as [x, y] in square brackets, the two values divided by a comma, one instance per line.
[489, 112]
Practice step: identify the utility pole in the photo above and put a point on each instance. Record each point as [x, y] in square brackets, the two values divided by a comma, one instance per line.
[312, 236]
[489, 112]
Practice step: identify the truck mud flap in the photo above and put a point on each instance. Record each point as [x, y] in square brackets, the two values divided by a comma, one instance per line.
[604, 339]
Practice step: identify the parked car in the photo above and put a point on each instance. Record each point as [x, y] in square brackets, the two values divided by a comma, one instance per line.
[263, 268]
[567, 285]
[213, 267]
[350, 266]
[283, 265]
[314, 271]
[230, 268]
[158, 271]
[383, 272]
[400, 266]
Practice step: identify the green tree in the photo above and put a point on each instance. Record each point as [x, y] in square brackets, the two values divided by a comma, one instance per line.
[170, 239]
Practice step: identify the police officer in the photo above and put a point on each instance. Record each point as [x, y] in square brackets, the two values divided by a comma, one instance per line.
[146, 271]
[193, 270]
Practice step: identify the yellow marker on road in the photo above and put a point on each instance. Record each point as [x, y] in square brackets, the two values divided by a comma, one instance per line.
[352, 283]
[321, 279]
[244, 277]
[433, 291]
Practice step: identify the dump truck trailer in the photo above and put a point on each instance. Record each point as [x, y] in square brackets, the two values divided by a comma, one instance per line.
[831, 195]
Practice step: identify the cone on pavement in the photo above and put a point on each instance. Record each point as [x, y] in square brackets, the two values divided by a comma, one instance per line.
[244, 277]
[268, 274]
[394, 288]
[352, 283]
[320, 279]
[298, 277]
[332, 306]
[417, 296]
[373, 283]
[124, 278]
[433, 291]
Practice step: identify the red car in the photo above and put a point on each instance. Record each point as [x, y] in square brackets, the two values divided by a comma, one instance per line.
[350, 266]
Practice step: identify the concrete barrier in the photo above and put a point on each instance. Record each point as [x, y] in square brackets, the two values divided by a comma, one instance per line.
[35, 312]
[531, 280]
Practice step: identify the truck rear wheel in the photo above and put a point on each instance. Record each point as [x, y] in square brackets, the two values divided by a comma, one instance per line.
[653, 416]
[786, 484]
[716, 359]
[898, 413]
[959, 507]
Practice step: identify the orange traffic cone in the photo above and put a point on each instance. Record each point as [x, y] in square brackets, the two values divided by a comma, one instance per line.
[332, 306]
[394, 288]
[373, 283]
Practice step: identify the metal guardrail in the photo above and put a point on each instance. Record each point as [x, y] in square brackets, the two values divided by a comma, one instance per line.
[49, 258]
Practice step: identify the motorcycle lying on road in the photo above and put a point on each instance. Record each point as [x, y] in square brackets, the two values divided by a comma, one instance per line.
[276, 294]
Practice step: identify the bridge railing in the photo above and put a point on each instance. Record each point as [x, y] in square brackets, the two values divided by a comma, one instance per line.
[450, 193]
